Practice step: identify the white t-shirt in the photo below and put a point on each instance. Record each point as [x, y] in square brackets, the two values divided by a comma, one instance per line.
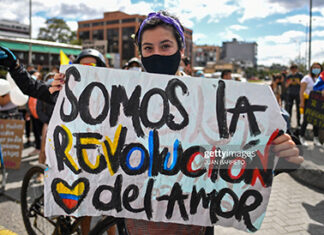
[310, 83]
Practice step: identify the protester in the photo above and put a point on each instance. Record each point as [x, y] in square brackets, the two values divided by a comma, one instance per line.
[134, 64]
[306, 86]
[161, 43]
[44, 111]
[226, 74]
[276, 86]
[6, 104]
[37, 124]
[185, 66]
[292, 91]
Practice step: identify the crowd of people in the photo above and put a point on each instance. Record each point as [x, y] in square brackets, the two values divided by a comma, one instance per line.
[292, 89]
[160, 41]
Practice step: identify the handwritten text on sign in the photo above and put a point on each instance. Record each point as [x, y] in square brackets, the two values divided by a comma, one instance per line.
[155, 147]
[11, 140]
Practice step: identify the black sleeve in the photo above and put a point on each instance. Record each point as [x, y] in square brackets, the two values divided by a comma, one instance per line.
[29, 86]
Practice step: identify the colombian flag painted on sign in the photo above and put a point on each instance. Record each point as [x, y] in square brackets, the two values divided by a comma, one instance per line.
[70, 197]
[64, 59]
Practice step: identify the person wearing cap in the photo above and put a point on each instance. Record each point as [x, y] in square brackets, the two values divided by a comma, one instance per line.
[6, 105]
[134, 64]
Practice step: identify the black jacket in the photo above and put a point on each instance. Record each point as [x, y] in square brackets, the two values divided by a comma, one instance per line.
[29, 86]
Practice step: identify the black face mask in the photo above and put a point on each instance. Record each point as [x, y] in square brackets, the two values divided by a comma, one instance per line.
[162, 64]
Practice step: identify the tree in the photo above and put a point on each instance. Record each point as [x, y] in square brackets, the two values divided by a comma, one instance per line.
[56, 30]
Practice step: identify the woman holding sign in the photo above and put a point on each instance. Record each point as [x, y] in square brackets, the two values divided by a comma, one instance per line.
[306, 86]
[161, 42]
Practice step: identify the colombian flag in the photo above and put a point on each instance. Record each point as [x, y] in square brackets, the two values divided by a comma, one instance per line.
[319, 84]
[64, 59]
[70, 197]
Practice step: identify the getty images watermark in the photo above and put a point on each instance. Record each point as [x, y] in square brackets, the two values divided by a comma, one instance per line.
[220, 157]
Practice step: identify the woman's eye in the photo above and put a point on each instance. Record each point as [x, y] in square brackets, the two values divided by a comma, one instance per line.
[166, 46]
[147, 48]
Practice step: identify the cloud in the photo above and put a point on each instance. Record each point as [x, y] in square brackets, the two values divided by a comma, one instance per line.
[317, 21]
[194, 11]
[237, 27]
[198, 36]
[281, 48]
[260, 9]
[228, 35]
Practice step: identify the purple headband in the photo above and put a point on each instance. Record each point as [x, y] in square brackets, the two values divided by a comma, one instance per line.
[165, 19]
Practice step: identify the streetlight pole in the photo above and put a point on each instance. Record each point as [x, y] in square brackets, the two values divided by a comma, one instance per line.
[310, 34]
[30, 33]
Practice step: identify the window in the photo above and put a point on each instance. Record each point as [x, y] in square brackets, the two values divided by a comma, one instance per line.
[84, 35]
[84, 25]
[97, 35]
[112, 38]
[112, 22]
[128, 20]
[128, 43]
[97, 23]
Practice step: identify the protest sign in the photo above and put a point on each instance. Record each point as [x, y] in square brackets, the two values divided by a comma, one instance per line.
[11, 140]
[314, 110]
[161, 148]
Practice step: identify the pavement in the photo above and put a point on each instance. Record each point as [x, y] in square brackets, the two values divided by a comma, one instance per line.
[311, 171]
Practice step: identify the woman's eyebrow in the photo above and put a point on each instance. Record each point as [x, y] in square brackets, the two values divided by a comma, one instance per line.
[147, 43]
[164, 41]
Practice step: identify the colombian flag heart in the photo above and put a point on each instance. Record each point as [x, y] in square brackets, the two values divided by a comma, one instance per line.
[69, 197]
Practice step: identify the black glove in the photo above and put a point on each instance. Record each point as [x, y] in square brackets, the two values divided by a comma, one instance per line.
[7, 58]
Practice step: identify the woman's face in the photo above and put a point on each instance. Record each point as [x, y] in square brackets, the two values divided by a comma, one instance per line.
[158, 41]
[316, 66]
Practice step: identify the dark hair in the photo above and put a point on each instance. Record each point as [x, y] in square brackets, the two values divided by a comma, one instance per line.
[225, 72]
[186, 60]
[154, 22]
[316, 63]
[293, 66]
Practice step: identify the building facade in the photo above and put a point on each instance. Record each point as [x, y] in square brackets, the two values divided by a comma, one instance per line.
[242, 53]
[118, 29]
[204, 55]
[13, 29]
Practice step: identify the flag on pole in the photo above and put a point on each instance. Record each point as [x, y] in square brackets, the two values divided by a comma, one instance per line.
[319, 84]
[64, 59]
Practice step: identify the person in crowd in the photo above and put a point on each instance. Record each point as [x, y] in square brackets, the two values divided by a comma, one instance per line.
[292, 91]
[37, 124]
[185, 66]
[306, 86]
[6, 104]
[226, 74]
[160, 40]
[134, 64]
[276, 86]
[44, 111]
[199, 73]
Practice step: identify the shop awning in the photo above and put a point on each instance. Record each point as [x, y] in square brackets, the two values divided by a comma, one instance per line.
[39, 48]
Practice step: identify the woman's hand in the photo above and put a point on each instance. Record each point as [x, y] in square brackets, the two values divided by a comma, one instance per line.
[286, 148]
[57, 84]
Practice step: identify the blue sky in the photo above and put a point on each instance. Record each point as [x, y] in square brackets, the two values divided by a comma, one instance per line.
[277, 26]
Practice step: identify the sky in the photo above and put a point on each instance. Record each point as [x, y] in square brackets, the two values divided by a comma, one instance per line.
[279, 27]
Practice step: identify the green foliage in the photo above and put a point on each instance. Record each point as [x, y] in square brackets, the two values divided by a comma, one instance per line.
[56, 30]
